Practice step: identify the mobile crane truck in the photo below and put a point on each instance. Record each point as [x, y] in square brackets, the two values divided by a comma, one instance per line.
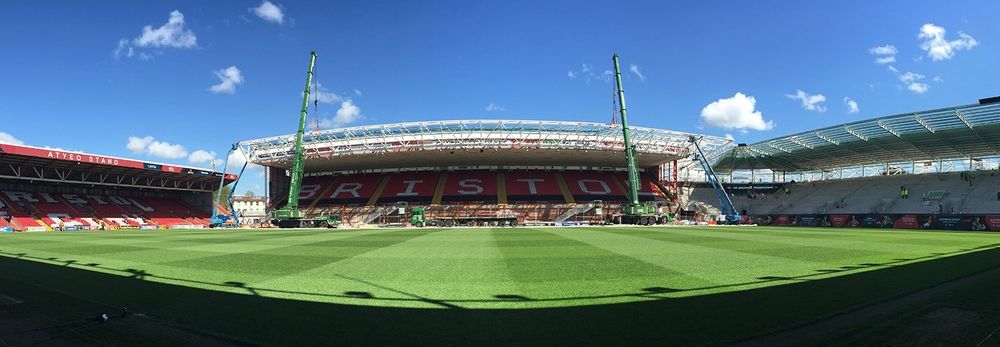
[290, 216]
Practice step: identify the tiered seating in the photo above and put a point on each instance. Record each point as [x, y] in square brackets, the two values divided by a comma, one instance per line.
[928, 193]
[313, 186]
[351, 189]
[170, 212]
[648, 189]
[110, 210]
[586, 186]
[470, 186]
[410, 186]
[51, 210]
[20, 213]
[532, 186]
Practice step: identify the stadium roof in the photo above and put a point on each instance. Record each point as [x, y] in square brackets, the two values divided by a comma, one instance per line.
[475, 143]
[60, 166]
[961, 132]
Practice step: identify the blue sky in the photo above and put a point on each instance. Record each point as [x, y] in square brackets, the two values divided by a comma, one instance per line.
[69, 81]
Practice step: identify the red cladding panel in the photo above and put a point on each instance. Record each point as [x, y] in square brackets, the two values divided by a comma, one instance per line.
[70, 156]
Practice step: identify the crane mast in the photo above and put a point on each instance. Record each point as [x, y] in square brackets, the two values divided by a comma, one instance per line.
[633, 172]
[290, 216]
[297, 161]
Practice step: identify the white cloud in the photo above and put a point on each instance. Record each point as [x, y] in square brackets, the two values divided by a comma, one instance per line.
[606, 76]
[852, 106]
[325, 96]
[809, 102]
[124, 48]
[918, 88]
[587, 73]
[229, 78]
[138, 144]
[938, 79]
[938, 47]
[911, 80]
[173, 34]
[347, 114]
[234, 162]
[910, 77]
[494, 108]
[636, 70]
[149, 146]
[885, 54]
[269, 12]
[884, 50]
[166, 150]
[737, 112]
[201, 156]
[730, 137]
[893, 69]
[9, 139]
[885, 60]
[358, 92]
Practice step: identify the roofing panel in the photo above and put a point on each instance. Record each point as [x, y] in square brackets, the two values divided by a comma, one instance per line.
[940, 134]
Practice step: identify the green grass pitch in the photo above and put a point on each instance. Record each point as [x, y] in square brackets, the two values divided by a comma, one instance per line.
[671, 285]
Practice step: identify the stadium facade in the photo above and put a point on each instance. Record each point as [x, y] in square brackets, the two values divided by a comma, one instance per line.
[51, 189]
[544, 171]
[934, 169]
[851, 174]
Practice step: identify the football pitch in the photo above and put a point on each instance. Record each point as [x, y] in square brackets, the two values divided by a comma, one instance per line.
[667, 285]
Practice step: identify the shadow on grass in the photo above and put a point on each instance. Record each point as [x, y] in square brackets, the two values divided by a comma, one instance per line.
[701, 319]
[444, 302]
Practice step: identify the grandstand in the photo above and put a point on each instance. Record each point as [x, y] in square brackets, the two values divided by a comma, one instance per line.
[854, 174]
[542, 171]
[49, 189]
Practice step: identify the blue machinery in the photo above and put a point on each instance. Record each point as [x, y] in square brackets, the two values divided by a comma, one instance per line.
[728, 209]
[220, 219]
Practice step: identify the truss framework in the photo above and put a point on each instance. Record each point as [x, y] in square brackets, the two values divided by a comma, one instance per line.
[961, 132]
[475, 134]
[25, 171]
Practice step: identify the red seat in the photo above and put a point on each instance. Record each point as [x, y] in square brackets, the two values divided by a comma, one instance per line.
[410, 186]
[470, 186]
[356, 189]
[532, 186]
[592, 186]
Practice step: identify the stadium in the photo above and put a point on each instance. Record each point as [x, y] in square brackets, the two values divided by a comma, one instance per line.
[137, 240]
[544, 172]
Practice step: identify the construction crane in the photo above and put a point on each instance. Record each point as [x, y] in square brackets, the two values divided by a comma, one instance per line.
[728, 209]
[290, 216]
[220, 216]
[633, 212]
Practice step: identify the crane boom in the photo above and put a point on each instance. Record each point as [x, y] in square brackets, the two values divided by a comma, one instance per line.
[297, 162]
[290, 216]
[728, 209]
[633, 212]
[633, 172]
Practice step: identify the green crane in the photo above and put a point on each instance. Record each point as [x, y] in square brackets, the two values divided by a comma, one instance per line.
[633, 212]
[290, 216]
